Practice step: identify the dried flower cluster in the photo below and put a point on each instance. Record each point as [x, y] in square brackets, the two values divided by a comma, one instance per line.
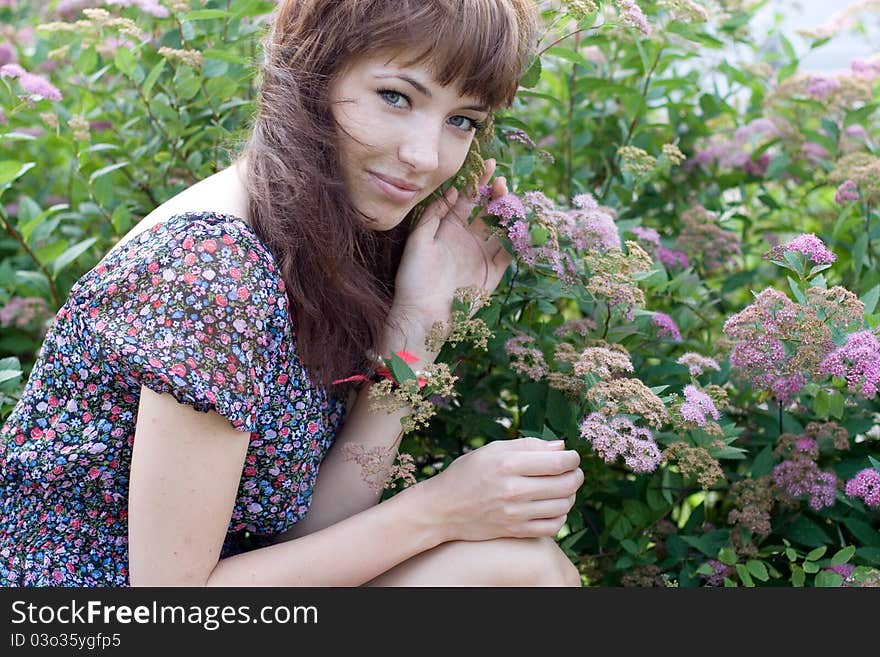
[374, 471]
[462, 327]
[386, 396]
[694, 462]
[614, 277]
[704, 241]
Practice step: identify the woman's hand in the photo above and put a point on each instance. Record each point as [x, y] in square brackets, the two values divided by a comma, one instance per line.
[508, 488]
[445, 252]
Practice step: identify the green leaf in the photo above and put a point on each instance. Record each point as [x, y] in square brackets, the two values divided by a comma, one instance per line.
[796, 289]
[10, 170]
[806, 532]
[727, 556]
[72, 254]
[795, 262]
[859, 115]
[813, 555]
[777, 166]
[103, 171]
[155, 72]
[27, 229]
[532, 75]
[402, 372]
[828, 579]
[870, 298]
[9, 375]
[243, 8]
[206, 15]
[758, 569]
[524, 165]
[570, 55]
[844, 555]
[874, 463]
[744, 575]
[125, 61]
[797, 576]
[864, 532]
[763, 463]
[811, 567]
[229, 56]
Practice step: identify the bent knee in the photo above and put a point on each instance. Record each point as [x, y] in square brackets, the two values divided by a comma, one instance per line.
[539, 562]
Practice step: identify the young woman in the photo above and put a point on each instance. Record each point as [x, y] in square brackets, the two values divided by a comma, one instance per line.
[185, 395]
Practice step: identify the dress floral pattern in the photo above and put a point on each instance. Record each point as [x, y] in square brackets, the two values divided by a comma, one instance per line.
[195, 307]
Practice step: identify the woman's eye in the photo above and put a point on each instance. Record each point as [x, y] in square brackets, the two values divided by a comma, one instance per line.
[392, 97]
[467, 123]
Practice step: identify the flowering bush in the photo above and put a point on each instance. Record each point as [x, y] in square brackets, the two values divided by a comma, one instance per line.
[692, 304]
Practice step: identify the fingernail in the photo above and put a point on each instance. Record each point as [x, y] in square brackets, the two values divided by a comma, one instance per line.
[556, 443]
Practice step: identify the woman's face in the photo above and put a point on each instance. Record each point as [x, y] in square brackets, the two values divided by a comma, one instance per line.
[413, 134]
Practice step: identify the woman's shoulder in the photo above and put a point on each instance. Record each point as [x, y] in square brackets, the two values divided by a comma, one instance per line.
[221, 195]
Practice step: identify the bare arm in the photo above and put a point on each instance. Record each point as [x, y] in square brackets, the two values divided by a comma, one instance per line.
[186, 467]
[340, 490]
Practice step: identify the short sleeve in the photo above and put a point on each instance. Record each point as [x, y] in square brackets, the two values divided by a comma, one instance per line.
[193, 307]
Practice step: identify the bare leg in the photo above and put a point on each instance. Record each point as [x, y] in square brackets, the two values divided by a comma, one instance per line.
[499, 562]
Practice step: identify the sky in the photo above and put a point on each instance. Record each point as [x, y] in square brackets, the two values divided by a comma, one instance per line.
[799, 14]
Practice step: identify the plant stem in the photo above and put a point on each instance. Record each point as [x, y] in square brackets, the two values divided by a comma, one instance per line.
[53, 290]
[569, 156]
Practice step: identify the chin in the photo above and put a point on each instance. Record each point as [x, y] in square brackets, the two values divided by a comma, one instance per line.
[387, 222]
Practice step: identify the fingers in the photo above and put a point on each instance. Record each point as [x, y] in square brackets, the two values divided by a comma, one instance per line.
[551, 487]
[546, 463]
[529, 442]
[545, 527]
[430, 219]
[547, 509]
[488, 170]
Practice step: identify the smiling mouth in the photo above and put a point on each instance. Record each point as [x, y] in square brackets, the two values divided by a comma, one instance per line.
[392, 191]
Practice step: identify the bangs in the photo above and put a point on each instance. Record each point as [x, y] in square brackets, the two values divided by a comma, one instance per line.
[479, 45]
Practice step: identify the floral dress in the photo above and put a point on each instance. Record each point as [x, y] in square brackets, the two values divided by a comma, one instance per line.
[195, 307]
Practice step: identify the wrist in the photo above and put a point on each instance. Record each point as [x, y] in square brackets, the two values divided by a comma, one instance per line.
[405, 334]
[432, 520]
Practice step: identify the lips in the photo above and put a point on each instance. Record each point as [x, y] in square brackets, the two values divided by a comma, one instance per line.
[393, 191]
[397, 182]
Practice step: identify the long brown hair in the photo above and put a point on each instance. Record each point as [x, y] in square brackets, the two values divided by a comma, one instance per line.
[338, 274]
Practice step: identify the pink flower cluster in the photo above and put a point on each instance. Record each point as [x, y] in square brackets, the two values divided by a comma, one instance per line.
[802, 476]
[820, 87]
[631, 14]
[809, 245]
[671, 258]
[30, 82]
[697, 364]
[857, 361]
[666, 327]
[151, 7]
[525, 357]
[866, 486]
[719, 572]
[618, 436]
[697, 406]
[649, 236]
[847, 192]
[736, 152]
[586, 226]
[21, 311]
[758, 351]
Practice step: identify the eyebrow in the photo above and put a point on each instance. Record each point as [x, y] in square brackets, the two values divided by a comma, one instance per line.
[427, 92]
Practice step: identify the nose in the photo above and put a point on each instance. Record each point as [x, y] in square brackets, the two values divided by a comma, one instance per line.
[420, 149]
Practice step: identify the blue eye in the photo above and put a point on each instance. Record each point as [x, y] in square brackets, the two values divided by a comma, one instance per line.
[385, 93]
[472, 124]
